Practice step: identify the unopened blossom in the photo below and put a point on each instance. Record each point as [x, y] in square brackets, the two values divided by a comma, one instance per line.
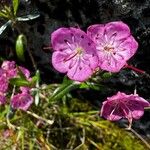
[114, 43]
[25, 71]
[74, 53]
[2, 98]
[122, 105]
[21, 101]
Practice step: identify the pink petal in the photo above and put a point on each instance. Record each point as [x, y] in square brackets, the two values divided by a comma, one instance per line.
[127, 48]
[59, 63]
[116, 30]
[91, 60]
[25, 90]
[3, 84]
[64, 38]
[96, 33]
[136, 105]
[119, 95]
[80, 37]
[2, 99]
[111, 111]
[80, 71]
[110, 63]
[8, 65]
[59, 38]
[25, 71]
[21, 101]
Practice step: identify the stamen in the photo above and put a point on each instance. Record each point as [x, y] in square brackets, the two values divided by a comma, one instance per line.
[70, 57]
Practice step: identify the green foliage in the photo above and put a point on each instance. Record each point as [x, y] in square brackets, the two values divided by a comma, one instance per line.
[22, 81]
[19, 82]
[75, 125]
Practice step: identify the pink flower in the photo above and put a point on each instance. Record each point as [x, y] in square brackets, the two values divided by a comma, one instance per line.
[3, 84]
[2, 98]
[8, 65]
[74, 53]
[114, 43]
[9, 68]
[124, 106]
[21, 101]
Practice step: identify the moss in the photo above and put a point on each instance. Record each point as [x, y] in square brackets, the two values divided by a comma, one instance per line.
[76, 126]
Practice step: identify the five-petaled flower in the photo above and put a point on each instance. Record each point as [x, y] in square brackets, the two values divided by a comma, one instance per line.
[122, 105]
[74, 53]
[114, 43]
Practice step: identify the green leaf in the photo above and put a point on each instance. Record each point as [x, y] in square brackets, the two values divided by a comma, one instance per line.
[28, 17]
[3, 27]
[33, 80]
[19, 82]
[21, 45]
[15, 6]
[3, 15]
[91, 85]
[64, 89]
[84, 85]
[106, 75]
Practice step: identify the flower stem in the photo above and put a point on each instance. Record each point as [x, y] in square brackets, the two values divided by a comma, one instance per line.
[140, 137]
[135, 69]
[50, 122]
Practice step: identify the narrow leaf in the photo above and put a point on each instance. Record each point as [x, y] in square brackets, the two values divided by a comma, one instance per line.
[15, 6]
[28, 17]
[19, 82]
[2, 28]
[63, 90]
[37, 97]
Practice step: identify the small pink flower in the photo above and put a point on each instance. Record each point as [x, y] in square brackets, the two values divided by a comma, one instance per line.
[3, 84]
[74, 53]
[114, 43]
[9, 68]
[21, 101]
[124, 106]
[2, 98]
[8, 65]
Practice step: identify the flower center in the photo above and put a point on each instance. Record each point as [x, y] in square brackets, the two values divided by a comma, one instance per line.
[79, 50]
[108, 49]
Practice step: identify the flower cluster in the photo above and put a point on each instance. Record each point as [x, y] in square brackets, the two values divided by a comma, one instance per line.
[105, 46]
[22, 100]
